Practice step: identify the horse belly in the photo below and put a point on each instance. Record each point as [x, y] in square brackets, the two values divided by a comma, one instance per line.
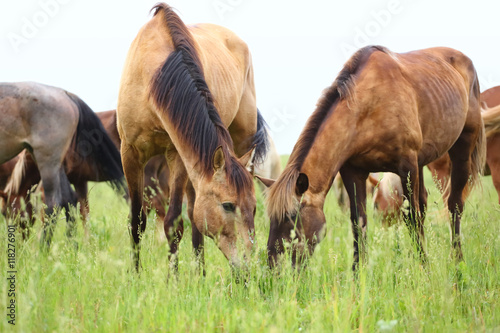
[440, 130]
[9, 148]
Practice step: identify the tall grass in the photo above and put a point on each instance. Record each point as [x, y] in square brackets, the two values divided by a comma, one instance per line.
[94, 288]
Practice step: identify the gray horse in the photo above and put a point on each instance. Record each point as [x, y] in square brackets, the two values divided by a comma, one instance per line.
[46, 121]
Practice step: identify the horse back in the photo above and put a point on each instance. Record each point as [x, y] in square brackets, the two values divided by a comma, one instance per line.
[406, 99]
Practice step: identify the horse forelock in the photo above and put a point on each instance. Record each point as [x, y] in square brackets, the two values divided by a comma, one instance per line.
[238, 177]
[281, 201]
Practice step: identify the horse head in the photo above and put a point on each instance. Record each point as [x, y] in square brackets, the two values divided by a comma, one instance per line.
[225, 205]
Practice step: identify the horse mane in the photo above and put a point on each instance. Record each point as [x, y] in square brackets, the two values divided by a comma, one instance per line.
[179, 89]
[281, 199]
[260, 140]
[491, 118]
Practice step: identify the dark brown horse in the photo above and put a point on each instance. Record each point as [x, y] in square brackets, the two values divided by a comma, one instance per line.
[384, 112]
[188, 93]
[46, 121]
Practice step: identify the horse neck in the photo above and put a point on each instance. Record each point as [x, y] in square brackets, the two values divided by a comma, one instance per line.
[187, 154]
[331, 148]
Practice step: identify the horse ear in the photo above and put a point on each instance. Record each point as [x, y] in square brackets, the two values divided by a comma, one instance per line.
[266, 181]
[302, 184]
[247, 160]
[218, 160]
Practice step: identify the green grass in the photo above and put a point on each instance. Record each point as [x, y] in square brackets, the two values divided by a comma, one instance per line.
[94, 289]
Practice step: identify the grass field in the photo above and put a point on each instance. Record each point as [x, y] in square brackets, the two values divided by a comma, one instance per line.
[92, 289]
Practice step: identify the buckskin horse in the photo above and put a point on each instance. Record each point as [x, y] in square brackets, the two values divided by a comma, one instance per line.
[188, 93]
[46, 121]
[384, 112]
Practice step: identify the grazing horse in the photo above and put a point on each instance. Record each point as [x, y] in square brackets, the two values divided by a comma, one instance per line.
[385, 111]
[387, 196]
[79, 173]
[46, 121]
[188, 93]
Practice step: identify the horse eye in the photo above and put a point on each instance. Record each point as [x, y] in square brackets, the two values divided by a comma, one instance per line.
[228, 207]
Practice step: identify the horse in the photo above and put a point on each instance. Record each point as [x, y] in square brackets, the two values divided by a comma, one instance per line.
[47, 121]
[491, 96]
[79, 173]
[385, 112]
[387, 196]
[188, 93]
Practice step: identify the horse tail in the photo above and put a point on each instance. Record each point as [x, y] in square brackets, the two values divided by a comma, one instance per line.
[260, 140]
[478, 157]
[16, 178]
[491, 118]
[92, 144]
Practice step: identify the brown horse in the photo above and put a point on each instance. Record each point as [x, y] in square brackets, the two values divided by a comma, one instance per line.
[188, 93]
[384, 112]
[46, 121]
[491, 117]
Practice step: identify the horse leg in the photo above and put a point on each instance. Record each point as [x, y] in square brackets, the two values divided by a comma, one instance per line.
[355, 184]
[460, 172]
[173, 224]
[27, 219]
[196, 236]
[493, 160]
[58, 194]
[81, 190]
[133, 167]
[69, 200]
[422, 201]
[410, 175]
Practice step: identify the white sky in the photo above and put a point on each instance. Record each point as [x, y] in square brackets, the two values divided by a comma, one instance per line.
[298, 47]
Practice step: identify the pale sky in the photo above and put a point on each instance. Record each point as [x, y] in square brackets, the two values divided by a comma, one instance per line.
[298, 47]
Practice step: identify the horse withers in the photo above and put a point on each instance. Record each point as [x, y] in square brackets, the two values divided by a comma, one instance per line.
[385, 112]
